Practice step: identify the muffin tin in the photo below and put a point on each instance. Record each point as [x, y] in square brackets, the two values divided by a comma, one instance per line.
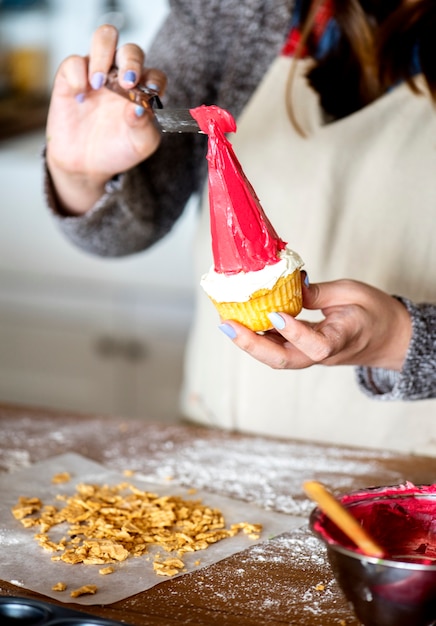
[16, 611]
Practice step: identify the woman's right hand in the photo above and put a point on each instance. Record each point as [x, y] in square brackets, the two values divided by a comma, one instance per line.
[92, 133]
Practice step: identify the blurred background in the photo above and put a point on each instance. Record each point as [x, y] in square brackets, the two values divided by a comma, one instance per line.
[78, 332]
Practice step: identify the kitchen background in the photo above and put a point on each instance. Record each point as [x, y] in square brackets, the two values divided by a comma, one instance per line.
[79, 332]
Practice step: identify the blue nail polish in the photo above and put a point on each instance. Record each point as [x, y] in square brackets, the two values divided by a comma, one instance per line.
[139, 110]
[153, 86]
[306, 280]
[80, 97]
[130, 76]
[228, 330]
[97, 80]
[277, 320]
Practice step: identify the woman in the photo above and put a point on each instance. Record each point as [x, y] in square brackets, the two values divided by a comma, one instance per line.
[348, 181]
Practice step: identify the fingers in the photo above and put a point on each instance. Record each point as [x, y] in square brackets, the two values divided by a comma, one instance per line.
[82, 74]
[270, 348]
[155, 79]
[315, 344]
[129, 60]
[102, 54]
[72, 77]
[336, 293]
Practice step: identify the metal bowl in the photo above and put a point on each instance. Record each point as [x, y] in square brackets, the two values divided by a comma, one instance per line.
[399, 590]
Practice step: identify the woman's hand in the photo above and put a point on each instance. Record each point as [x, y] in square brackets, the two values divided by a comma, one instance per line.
[92, 133]
[361, 326]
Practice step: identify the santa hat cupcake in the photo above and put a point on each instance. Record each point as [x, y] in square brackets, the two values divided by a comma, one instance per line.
[254, 272]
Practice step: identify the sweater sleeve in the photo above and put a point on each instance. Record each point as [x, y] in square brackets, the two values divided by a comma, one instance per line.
[137, 209]
[417, 379]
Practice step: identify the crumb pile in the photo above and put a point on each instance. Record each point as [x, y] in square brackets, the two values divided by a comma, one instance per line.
[108, 524]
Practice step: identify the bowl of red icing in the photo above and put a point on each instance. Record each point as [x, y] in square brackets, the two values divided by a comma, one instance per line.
[400, 588]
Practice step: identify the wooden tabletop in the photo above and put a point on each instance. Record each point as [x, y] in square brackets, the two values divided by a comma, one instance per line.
[286, 580]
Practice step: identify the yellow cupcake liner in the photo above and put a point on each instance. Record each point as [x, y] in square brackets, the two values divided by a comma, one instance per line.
[285, 296]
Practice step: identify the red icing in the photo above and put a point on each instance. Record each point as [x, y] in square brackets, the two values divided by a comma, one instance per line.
[243, 238]
[400, 518]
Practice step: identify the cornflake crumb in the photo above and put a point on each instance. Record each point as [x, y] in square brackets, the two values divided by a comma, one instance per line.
[128, 472]
[25, 507]
[320, 587]
[84, 590]
[104, 571]
[60, 586]
[63, 477]
[168, 567]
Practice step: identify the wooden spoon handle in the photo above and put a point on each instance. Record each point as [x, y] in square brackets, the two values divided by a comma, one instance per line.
[342, 518]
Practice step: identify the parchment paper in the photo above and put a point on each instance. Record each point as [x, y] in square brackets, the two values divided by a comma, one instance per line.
[25, 564]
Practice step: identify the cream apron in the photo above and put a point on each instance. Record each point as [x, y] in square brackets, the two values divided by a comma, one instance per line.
[356, 199]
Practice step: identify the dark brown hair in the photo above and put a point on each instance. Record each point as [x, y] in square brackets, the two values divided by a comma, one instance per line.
[378, 42]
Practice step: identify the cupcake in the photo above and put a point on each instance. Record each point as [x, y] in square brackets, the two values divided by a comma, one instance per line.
[254, 272]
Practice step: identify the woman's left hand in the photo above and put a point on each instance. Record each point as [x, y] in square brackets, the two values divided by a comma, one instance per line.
[361, 325]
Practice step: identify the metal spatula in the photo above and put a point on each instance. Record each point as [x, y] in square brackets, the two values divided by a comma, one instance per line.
[168, 120]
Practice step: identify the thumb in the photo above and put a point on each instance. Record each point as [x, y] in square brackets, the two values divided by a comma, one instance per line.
[341, 292]
[315, 295]
[328, 294]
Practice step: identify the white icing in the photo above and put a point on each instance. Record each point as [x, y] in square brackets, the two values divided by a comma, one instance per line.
[240, 287]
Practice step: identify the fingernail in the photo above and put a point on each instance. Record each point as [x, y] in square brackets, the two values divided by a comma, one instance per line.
[139, 110]
[277, 320]
[153, 86]
[130, 76]
[80, 97]
[306, 279]
[228, 330]
[97, 80]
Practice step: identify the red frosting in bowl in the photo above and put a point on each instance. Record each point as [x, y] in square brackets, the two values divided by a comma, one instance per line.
[243, 238]
[401, 518]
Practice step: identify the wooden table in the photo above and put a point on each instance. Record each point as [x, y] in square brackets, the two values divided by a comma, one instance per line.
[284, 581]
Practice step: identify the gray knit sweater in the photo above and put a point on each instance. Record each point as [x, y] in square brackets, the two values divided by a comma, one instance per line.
[216, 52]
